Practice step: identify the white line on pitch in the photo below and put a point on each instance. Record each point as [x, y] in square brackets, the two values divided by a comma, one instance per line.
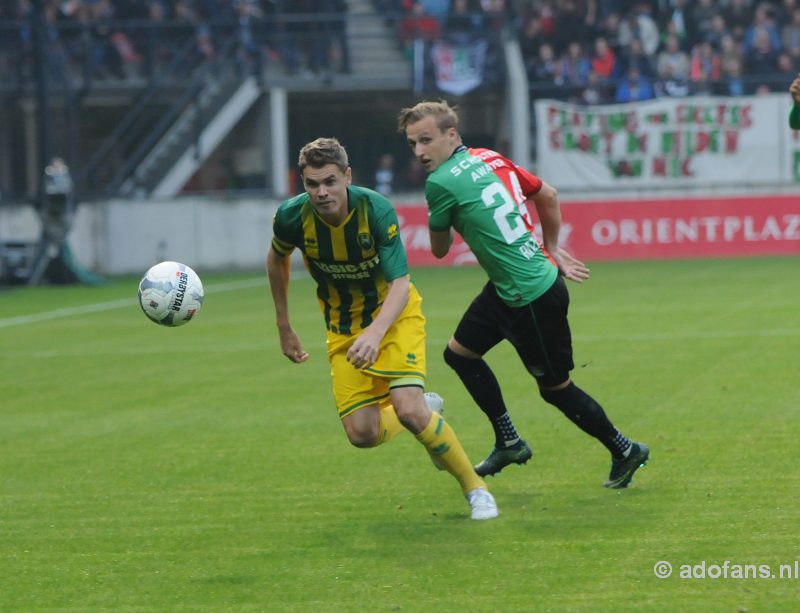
[115, 304]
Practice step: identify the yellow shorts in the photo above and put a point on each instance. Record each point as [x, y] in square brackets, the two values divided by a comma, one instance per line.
[401, 361]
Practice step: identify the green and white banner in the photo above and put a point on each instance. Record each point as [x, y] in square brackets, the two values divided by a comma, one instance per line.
[702, 141]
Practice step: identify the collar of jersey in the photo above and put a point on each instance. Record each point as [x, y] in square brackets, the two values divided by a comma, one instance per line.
[458, 149]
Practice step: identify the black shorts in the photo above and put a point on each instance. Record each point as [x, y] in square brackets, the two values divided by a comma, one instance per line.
[539, 331]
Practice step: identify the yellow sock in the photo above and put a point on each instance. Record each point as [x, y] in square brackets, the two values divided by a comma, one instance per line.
[390, 426]
[441, 442]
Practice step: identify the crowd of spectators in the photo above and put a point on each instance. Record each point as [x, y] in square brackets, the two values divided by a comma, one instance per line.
[613, 50]
[620, 50]
[124, 39]
[596, 50]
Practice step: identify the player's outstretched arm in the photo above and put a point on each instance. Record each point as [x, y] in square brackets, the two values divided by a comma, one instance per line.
[548, 210]
[278, 269]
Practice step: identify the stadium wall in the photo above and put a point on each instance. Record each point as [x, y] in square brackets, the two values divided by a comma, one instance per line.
[122, 237]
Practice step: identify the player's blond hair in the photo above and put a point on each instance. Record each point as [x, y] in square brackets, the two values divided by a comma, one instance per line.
[321, 152]
[443, 114]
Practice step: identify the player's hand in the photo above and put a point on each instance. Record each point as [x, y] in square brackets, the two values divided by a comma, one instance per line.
[363, 353]
[570, 267]
[291, 346]
[794, 89]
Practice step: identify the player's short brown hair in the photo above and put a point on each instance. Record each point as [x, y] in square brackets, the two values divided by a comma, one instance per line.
[321, 152]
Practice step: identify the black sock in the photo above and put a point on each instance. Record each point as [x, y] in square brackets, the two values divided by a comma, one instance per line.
[582, 410]
[482, 385]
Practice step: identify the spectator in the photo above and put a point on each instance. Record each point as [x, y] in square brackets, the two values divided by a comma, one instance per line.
[670, 85]
[603, 58]
[336, 11]
[790, 35]
[545, 67]
[634, 87]
[249, 53]
[787, 67]
[639, 26]
[311, 34]
[122, 58]
[634, 56]
[533, 36]
[679, 21]
[718, 30]
[730, 50]
[569, 25]
[609, 29]
[417, 25]
[384, 175]
[763, 21]
[464, 23]
[672, 62]
[783, 11]
[762, 57]
[732, 71]
[574, 66]
[670, 29]
[738, 15]
[702, 15]
[705, 65]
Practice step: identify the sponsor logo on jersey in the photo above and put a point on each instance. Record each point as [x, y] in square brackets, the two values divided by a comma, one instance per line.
[365, 241]
[360, 270]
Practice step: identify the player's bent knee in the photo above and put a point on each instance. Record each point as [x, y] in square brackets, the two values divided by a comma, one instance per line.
[459, 363]
[361, 435]
[413, 415]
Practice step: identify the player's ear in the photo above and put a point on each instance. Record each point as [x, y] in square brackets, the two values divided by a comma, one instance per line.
[348, 175]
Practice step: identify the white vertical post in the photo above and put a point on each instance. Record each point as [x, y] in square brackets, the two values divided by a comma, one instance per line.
[279, 130]
[519, 112]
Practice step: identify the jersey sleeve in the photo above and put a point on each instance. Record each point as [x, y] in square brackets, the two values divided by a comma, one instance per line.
[282, 241]
[386, 231]
[529, 182]
[440, 206]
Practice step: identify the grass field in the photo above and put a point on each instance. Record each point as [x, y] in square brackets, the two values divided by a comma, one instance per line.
[196, 469]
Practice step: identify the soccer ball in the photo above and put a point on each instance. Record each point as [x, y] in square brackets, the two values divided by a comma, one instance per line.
[170, 293]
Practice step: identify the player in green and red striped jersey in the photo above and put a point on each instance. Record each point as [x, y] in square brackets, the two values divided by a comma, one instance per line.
[481, 195]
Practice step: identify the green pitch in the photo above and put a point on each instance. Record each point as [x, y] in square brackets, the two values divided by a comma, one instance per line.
[196, 469]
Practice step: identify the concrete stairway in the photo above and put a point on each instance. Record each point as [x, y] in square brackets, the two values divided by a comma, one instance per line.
[374, 50]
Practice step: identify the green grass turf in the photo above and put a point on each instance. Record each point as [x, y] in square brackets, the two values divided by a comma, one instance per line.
[196, 469]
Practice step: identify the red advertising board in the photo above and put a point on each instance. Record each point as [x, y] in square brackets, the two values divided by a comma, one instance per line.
[648, 229]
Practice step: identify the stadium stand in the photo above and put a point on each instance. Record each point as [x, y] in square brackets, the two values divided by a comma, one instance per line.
[579, 50]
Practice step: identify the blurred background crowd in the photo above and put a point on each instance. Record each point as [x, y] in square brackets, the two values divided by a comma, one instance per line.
[622, 50]
[601, 50]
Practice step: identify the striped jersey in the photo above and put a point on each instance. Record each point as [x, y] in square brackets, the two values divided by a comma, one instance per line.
[351, 263]
[482, 195]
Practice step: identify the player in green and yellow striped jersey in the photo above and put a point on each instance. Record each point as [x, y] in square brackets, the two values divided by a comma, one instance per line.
[351, 245]
[794, 115]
